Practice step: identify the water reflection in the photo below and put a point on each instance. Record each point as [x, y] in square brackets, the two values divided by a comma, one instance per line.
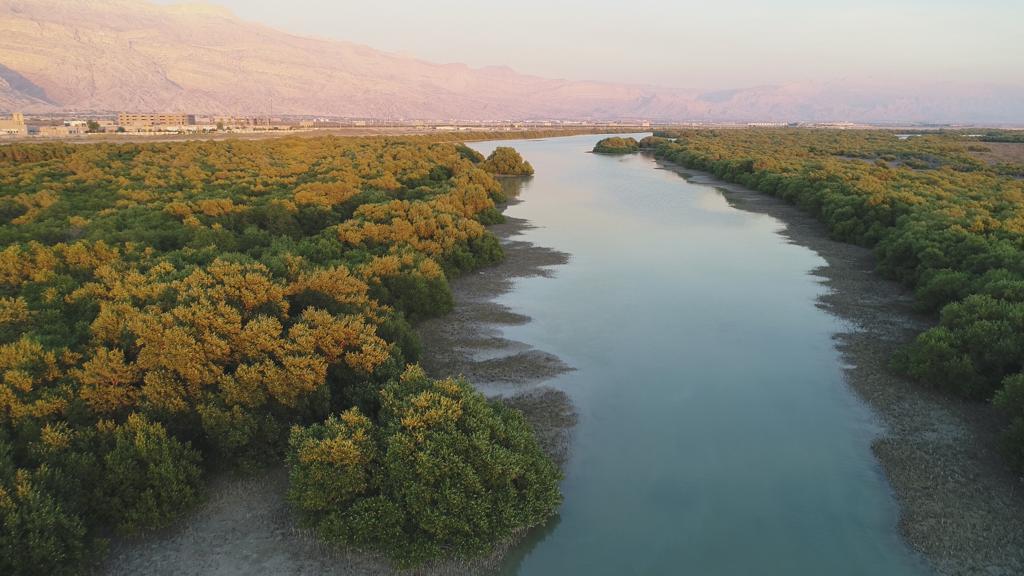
[715, 434]
[511, 187]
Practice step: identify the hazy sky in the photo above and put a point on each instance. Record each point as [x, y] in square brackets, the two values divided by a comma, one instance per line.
[715, 44]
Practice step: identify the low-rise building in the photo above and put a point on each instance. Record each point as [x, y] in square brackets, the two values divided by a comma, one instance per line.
[240, 122]
[62, 131]
[14, 126]
[154, 121]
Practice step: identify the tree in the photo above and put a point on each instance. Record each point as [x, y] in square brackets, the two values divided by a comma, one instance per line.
[37, 536]
[505, 161]
[149, 477]
[1010, 399]
[616, 145]
[165, 304]
[444, 472]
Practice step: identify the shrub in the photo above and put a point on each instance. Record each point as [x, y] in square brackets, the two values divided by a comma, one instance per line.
[505, 161]
[37, 536]
[131, 476]
[616, 145]
[443, 473]
[330, 463]
[941, 287]
[1010, 399]
[935, 359]
[469, 154]
[150, 477]
[417, 296]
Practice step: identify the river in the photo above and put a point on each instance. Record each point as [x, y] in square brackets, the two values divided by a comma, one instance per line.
[716, 434]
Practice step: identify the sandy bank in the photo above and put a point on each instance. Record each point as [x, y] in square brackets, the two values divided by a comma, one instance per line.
[468, 341]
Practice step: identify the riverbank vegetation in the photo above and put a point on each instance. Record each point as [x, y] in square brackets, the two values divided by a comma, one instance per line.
[440, 470]
[169, 309]
[940, 218]
[616, 145]
[505, 161]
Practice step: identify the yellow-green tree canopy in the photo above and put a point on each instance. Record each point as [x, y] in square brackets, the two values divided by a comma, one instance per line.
[505, 161]
[443, 472]
[616, 145]
[164, 302]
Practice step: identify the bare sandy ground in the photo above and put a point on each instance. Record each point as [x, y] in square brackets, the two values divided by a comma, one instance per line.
[245, 527]
[1000, 152]
[961, 507]
[468, 342]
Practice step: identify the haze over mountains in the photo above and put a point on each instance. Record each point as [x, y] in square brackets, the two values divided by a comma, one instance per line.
[114, 55]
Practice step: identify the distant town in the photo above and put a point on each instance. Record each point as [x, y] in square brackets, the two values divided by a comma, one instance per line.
[20, 126]
[17, 125]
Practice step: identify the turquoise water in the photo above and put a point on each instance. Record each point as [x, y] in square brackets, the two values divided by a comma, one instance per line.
[716, 435]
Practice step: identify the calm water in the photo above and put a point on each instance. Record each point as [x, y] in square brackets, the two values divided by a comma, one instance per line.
[716, 434]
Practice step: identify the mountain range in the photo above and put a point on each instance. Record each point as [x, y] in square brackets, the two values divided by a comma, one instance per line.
[133, 55]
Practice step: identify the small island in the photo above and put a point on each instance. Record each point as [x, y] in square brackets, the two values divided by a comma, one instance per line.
[617, 145]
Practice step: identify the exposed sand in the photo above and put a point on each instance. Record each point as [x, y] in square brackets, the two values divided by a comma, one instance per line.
[245, 527]
[468, 341]
[961, 507]
[1000, 152]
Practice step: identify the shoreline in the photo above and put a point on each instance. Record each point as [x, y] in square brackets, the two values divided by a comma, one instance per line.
[468, 342]
[244, 525]
[961, 508]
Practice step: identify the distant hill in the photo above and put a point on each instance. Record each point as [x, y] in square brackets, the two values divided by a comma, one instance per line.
[111, 55]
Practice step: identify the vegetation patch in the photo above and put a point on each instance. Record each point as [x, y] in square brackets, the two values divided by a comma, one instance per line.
[442, 473]
[168, 305]
[506, 161]
[617, 145]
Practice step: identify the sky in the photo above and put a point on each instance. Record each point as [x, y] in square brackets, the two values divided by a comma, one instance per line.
[682, 43]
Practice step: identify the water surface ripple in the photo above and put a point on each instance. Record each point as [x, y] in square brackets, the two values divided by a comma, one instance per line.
[716, 435]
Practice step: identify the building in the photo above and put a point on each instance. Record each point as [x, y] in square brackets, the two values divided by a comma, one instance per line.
[144, 121]
[240, 122]
[14, 126]
[62, 131]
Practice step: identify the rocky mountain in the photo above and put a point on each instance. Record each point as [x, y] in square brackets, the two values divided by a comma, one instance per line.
[111, 55]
